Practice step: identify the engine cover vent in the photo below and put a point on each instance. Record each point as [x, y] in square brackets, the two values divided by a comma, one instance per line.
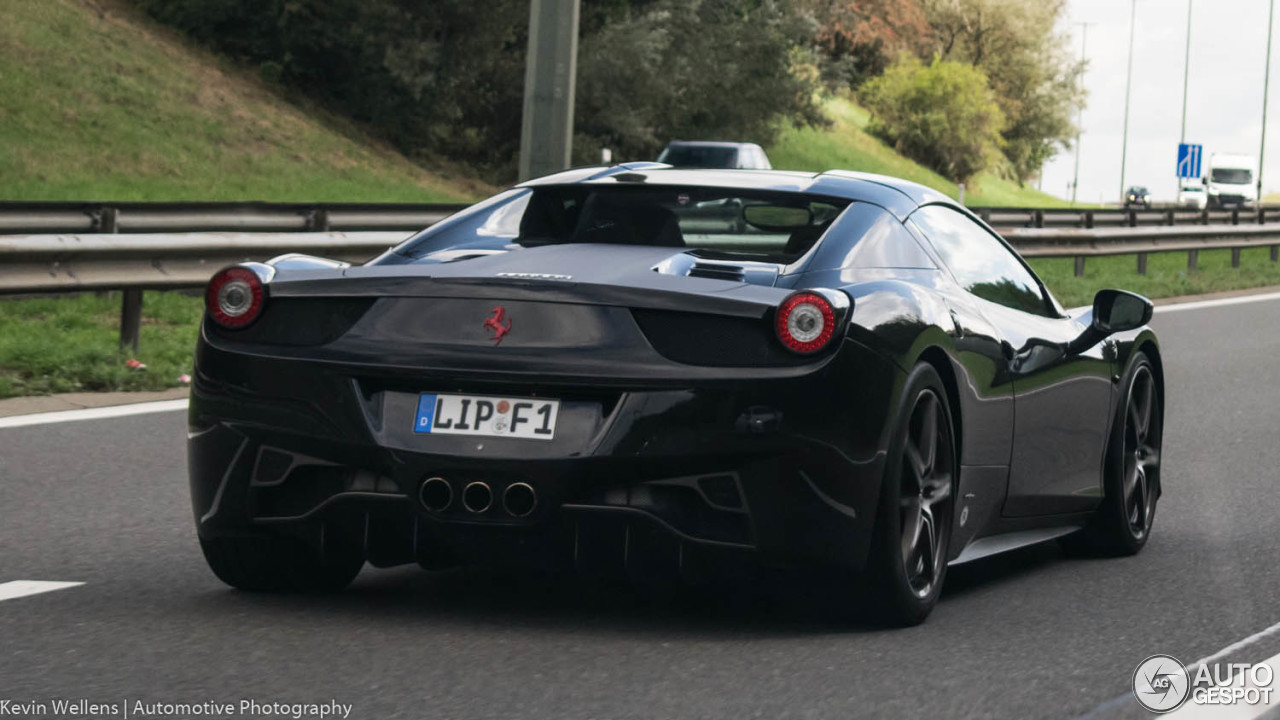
[688, 264]
[718, 271]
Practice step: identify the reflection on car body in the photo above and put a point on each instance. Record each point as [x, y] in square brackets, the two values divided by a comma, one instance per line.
[840, 372]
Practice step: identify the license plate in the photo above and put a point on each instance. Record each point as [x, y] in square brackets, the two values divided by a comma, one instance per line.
[526, 418]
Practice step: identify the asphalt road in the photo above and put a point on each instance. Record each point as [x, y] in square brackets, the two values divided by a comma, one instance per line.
[1035, 634]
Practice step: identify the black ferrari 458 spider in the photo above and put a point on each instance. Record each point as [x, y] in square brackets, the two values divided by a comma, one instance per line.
[667, 373]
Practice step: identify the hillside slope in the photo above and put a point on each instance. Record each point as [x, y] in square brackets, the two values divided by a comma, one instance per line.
[847, 146]
[98, 103]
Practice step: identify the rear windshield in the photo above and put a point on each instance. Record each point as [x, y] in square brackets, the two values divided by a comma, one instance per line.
[756, 225]
[1232, 176]
[700, 156]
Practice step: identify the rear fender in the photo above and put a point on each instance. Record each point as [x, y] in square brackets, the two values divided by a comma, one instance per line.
[900, 319]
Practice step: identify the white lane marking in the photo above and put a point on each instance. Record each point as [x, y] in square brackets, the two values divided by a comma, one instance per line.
[93, 413]
[1221, 302]
[1237, 711]
[23, 588]
[1272, 630]
[1115, 702]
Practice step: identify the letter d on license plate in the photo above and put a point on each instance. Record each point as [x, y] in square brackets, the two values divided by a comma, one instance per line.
[526, 418]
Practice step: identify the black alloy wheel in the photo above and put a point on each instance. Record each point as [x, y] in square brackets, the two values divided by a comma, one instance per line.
[925, 501]
[909, 551]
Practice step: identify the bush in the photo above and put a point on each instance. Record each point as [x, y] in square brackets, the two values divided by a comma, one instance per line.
[1030, 66]
[943, 115]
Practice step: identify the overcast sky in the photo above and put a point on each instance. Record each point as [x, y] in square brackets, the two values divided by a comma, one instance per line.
[1224, 104]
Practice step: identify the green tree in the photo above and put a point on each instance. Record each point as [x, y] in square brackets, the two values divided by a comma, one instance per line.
[445, 78]
[857, 39]
[1029, 64]
[943, 115]
[694, 69]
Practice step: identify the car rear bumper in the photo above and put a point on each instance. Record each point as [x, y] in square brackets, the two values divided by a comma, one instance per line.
[784, 471]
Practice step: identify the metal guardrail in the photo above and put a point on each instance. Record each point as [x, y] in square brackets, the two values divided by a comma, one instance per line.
[173, 246]
[61, 217]
[1101, 242]
[1008, 218]
[138, 261]
[111, 245]
[64, 217]
[70, 263]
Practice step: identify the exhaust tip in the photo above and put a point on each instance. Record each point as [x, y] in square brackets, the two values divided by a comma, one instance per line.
[477, 497]
[436, 494]
[519, 499]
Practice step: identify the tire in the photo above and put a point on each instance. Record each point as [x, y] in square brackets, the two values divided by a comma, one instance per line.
[912, 534]
[267, 563]
[1131, 479]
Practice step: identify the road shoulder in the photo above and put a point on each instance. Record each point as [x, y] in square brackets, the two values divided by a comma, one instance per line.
[78, 401]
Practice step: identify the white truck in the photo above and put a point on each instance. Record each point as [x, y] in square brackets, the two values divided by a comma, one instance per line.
[1229, 181]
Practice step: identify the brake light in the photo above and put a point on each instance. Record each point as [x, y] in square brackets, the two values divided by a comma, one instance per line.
[805, 323]
[235, 297]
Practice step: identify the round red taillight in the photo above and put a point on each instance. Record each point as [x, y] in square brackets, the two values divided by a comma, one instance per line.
[235, 297]
[806, 322]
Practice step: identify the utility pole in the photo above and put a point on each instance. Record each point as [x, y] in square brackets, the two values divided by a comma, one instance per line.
[1186, 73]
[1084, 42]
[1128, 86]
[1266, 83]
[551, 69]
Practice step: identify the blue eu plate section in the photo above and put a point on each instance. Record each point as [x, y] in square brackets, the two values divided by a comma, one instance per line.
[426, 413]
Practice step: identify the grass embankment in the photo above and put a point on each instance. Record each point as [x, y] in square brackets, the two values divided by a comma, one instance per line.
[70, 344]
[1167, 274]
[847, 146]
[98, 103]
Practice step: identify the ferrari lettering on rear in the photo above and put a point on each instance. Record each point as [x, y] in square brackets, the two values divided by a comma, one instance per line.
[534, 276]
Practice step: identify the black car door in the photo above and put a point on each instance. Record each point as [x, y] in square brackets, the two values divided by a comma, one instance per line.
[1061, 401]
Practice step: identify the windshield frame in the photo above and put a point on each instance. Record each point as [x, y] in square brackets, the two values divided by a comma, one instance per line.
[493, 226]
[1229, 173]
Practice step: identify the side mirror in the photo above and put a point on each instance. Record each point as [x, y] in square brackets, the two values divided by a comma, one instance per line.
[1117, 311]
[1113, 311]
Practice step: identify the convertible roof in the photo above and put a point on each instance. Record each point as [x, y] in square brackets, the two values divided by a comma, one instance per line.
[893, 194]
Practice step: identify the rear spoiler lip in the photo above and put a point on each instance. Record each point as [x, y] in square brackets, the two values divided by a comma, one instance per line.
[455, 364]
[717, 297]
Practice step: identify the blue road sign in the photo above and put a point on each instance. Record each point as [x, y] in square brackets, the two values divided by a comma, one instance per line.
[1189, 160]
